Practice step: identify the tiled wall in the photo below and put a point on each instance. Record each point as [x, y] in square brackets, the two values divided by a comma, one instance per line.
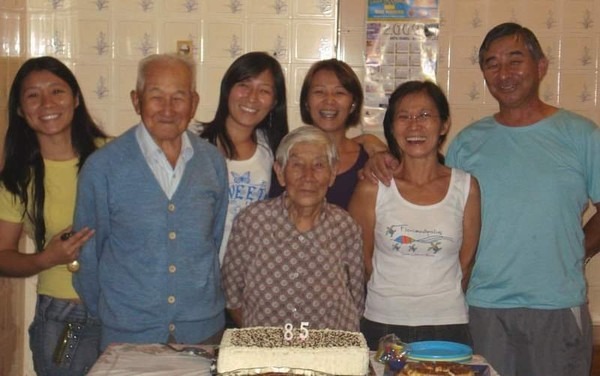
[102, 40]
[568, 30]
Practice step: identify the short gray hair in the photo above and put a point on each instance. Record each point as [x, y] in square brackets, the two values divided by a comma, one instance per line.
[308, 134]
[165, 58]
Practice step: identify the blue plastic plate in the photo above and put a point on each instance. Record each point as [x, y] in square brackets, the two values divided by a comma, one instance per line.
[439, 350]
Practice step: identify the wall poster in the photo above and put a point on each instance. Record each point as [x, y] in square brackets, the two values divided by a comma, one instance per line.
[399, 47]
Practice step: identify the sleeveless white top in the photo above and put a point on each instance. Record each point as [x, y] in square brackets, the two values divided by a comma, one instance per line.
[416, 277]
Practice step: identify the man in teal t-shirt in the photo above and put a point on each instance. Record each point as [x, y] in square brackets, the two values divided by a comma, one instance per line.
[538, 167]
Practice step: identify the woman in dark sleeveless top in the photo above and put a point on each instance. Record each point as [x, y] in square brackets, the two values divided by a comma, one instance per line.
[331, 98]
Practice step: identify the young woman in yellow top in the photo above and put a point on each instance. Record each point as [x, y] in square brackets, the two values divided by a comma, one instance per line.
[50, 134]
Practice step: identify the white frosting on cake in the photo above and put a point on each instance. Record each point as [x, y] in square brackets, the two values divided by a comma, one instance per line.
[264, 349]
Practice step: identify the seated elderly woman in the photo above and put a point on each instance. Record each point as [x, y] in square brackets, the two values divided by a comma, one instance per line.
[296, 258]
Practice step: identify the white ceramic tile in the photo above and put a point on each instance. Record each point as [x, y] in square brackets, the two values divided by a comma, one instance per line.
[94, 38]
[464, 52]
[504, 11]
[210, 83]
[294, 118]
[127, 118]
[223, 40]
[546, 17]
[204, 113]
[315, 9]
[551, 45]
[577, 89]
[466, 86]
[579, 16]
[14, 63]
[443, 53]
[99, 6]
[272, 37]
[130, 7]
[125, 76]
[446, 14]
[353, 14]
[294, 82]
[579, 51]
[549, 87]
[228, 8]
[95, 81]
[10, 33]
[269, 8]
[12, 4]
[313, 41]
[48, 4]
[102, 117]
[135, 39]
[192, 8]
[352, 47]
[50, 35]
[442, 78]
[469, 16]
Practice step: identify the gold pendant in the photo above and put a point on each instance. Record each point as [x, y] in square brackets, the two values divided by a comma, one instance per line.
[73, 266]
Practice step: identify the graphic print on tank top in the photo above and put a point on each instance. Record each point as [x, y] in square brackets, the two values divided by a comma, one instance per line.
[416, 242]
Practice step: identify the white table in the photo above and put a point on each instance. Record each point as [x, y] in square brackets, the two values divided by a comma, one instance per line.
[151, 360]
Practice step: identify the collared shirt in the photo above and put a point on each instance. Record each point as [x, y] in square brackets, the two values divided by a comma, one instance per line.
[167, 176]
[278, 275]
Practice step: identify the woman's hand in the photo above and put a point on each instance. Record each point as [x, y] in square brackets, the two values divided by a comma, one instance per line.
[14, 263]
[64, 247]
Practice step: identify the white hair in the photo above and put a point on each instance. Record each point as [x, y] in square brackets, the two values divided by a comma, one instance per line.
[309, 134]
[170, 58]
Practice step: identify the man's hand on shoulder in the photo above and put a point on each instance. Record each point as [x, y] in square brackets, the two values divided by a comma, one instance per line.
[379, 167]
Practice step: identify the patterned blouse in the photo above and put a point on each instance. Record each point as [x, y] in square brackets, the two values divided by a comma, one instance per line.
[278, 275]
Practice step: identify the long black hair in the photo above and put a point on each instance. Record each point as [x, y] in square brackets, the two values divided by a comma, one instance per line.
[275, 125]
[23, 162]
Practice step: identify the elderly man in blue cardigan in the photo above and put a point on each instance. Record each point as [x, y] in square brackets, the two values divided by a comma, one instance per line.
[157, 198]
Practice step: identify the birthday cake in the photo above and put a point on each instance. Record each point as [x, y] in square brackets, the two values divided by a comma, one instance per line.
[313, 352]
